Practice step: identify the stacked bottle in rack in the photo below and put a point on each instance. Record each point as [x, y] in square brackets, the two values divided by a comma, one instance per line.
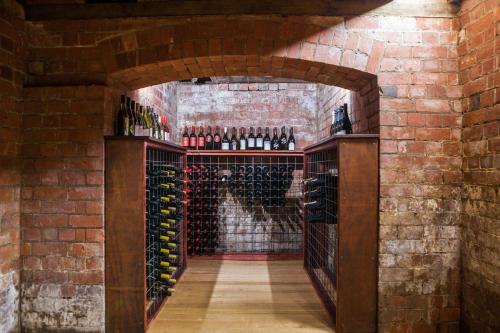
[164, 215]
[261, 184]
[203, 235]
[321, 198]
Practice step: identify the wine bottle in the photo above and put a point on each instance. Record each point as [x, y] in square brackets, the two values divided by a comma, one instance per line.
[193, 140]
[145, 128]
[267, 140]
[138, 120]
[319, 217]
[131, 119]
[291, 140]
[275, 142]
[225, 140]
[315, 204]
[346, 124]
[161, 130]
[209, 140]
[259, 141]
[122, 118]
[314, 193]
[234, 140]
[201, 139]
[313, 182]
[166, 128]
[251, 139]
[283, 140]
[185, 137]
[243, 140]
[217, 139]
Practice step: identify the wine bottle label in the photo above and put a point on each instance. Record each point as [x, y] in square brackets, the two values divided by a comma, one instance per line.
[137, 130]
[192, 142]
[291, 146]
[217, 139]
[201, 142]
[243, 145]
[259, 142]
[225, 146]
[185, 142]
[267, 145]
[251, 143]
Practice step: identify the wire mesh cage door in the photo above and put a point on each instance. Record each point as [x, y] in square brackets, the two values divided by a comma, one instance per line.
[245, 204]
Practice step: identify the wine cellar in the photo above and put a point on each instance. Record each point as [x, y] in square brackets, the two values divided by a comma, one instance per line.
[246, 166]
[317, 205]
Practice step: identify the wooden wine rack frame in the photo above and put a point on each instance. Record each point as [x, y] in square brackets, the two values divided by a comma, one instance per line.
[354, 307]
[125, 216]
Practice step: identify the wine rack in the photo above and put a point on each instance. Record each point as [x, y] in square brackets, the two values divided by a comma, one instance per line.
[340, 251]
[245, 203]
[145, 229]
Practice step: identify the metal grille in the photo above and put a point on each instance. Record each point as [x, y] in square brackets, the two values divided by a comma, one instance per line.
[245, 204]
[157, 164]
[322, 235]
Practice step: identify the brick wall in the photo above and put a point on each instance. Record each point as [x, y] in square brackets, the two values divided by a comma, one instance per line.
[256, 104]
[363, 108]
[479, 51]
[163, 97]
[62, 207]
[11, 77]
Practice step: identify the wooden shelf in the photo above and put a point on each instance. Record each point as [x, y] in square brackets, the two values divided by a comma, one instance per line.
[151, 142]
[298, 153]
[331, 142]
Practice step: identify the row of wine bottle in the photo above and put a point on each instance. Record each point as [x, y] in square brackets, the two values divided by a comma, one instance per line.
[203, 222]
[165, 202]
[209, 141]
[340, 122]
[263, 184]
[134, 119]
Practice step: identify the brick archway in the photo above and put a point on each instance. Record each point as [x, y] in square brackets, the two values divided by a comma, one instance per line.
[323, 52]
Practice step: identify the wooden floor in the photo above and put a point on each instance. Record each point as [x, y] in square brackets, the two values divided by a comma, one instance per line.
[229, 296]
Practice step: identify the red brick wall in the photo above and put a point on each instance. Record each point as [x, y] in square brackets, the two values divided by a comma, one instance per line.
[415, 62]
[479, 51]
[11, 78]
[244, 105]
[62, 206]
[163, 99]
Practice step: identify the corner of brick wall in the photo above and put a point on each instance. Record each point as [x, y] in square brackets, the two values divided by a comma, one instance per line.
[479, 52]
[11, 78]
[63, 206]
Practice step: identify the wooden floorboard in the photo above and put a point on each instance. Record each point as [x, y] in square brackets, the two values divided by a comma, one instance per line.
[228, 296]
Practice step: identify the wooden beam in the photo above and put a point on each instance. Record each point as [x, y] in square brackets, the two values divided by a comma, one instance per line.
[238, 7]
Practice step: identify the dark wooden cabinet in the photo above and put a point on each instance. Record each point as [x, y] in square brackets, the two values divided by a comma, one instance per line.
[341, 252]
[130, 305]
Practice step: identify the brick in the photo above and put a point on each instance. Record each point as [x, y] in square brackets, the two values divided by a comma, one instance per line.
[432, 134]
[86, 278]
[83, 221]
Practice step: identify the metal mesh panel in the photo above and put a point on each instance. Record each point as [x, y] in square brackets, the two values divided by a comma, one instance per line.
[322, 236]
[161, 164]
[245, 204]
